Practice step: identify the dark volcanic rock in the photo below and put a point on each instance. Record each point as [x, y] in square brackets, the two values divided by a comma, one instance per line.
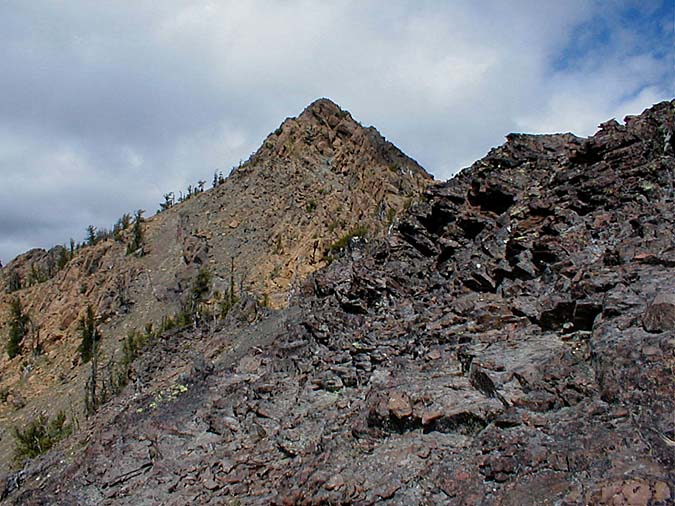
[510, 343]
[660, 316]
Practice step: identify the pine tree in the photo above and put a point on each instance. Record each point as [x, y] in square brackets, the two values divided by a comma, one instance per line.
[62, 259]
[88, 352]
[18, 327]
[125, 221]
[136, 244]
[91, 235]
[89, 334]
[169, 201]
[201, 287]
[14, 282]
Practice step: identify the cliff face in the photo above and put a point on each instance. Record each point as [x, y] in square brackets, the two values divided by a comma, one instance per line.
[319, 178]
[510, 342]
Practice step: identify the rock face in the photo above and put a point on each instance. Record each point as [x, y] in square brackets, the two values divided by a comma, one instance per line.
[660, 315]
[510, 342]
[318, 179]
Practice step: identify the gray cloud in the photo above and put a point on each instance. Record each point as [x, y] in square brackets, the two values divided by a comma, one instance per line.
[107, 105]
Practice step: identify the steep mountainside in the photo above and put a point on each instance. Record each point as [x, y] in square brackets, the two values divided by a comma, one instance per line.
[510, 342]
[316, 180]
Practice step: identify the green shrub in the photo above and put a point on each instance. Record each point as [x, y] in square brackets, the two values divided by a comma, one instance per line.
[62, 259]
[40, 435]
[18, 327]
[37, 275]
[89, 334]
[13, 282]
[91, 235]
[136, 244]
[199, 292]
[357, 231]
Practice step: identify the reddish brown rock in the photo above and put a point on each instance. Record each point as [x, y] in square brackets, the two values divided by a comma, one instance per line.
[504, 270]
[660, 315]
[399, 405]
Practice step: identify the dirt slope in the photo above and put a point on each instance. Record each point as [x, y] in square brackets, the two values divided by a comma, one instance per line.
[316, 179]
[511, 342]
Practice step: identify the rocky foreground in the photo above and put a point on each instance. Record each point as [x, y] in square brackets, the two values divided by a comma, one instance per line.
[315, 180]
[510, 342]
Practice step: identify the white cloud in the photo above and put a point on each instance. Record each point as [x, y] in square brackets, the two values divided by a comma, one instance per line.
[108, 105]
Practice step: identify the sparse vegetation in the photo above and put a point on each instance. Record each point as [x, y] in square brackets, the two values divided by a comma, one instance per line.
[171, 199]
[37, 275]
[136, 244]
[199, 292]
[230, 298]
[89, 335]
[62, 259]
[88, 352]
[358, 231]
[91, 235]
[169, 202]
[218, 179]
[121, 225]
[40, 435]
[13, 282]
[18, 327]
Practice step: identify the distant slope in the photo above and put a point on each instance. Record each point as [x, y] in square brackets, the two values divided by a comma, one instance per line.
[317, 179]
[510, 343]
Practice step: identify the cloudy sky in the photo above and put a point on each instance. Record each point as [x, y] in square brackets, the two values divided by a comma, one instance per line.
[107, 105]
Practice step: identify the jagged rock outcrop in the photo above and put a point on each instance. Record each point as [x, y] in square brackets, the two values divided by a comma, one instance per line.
[511, 342]
[319, 178]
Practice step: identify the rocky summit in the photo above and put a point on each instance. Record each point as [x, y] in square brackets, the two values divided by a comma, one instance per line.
[507, 339]
[316, 181]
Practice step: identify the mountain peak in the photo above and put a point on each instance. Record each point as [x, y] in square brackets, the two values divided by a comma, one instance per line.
[490, 314]
[324, 134]
[323, 107]
[323, 111]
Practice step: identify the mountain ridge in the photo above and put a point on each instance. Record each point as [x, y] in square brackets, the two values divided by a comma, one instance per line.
[509, 342]
[263, 230]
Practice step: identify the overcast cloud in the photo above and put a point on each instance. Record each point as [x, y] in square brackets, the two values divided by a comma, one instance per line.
[107, 105]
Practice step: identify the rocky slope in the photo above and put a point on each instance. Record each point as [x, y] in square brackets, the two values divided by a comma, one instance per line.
[317, 179]
[510, 342]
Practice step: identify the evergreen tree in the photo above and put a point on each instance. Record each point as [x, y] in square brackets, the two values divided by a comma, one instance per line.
[18, 327]
[230, 298]
[201, 287]
[14, 282]
[125, 221]
[218, 178]
[89, 334]
[89, 353]
[62, 259]
[136, 243]
[169, 200]
[91, 235]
